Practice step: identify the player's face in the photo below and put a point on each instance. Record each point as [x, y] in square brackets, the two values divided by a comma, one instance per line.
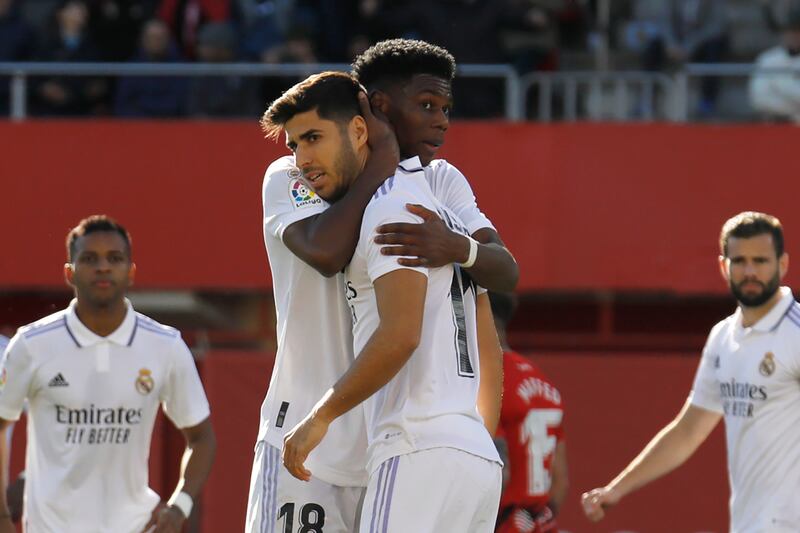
[420, 113]
[753, 270]
[324, 151]
[101, 270]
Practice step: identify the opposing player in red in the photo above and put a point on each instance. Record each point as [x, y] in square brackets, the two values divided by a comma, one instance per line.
[531, 433]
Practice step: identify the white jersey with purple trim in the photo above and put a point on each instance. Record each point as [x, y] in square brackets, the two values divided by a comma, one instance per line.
[92, 402]
[3, 343]
[313, 321]
[751, 376]
[431, 402]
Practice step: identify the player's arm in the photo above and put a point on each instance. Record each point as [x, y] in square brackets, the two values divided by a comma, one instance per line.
[400, 296]
[432, 244]
[675, 443]
[490, 354]
[327, 240]
[198, 456]
[559, 477]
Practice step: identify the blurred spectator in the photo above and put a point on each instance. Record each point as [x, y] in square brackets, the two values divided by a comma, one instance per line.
[216, 96]
[530, 33]
[115, 25]
[685, 31]
[70, 42]
[151, 96]
[16, 44]
[777, 95]
[264, 25]
[185, 17]
[776, 12]
[299, 47]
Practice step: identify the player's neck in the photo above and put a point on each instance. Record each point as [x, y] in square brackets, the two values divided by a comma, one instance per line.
[751, 315]
[101, 320]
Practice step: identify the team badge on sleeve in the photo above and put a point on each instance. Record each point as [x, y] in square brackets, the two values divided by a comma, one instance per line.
[767, 366]
[144, 383]
[302, 195]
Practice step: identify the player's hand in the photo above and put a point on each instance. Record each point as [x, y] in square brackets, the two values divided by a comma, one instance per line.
[165, 519]
[382, 141]
[299, 442]
[430, 243]
[596, 501]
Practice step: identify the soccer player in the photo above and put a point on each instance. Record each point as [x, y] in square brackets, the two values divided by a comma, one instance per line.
[308, 238]
[532, 434]
[416, 345]
[94, 375]
[748, 375]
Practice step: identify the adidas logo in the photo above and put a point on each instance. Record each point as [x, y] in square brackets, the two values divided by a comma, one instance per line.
[58, 381]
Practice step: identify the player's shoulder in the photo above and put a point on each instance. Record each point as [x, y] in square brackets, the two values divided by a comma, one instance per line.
[154, 330]
[46, 326]
[790, 325]
[282, 170]
[772, 57]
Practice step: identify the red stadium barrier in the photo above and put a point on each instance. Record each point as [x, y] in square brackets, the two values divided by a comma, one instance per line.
[581, 206]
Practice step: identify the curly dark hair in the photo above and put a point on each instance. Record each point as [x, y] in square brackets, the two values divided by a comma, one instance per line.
[400, 59]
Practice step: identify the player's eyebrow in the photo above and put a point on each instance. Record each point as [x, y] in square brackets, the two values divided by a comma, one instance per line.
[292, 145]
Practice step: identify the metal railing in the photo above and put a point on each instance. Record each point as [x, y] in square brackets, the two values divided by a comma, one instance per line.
[20, 72]
[632, 95]
[578, 95]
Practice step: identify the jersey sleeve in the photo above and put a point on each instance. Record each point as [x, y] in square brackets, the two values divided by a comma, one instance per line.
[377, 214]
[183, 397]
[452, 189]
[705, 390]
[16, 377]
[286, 198]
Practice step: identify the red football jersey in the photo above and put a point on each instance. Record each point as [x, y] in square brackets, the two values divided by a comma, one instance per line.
[531, 422]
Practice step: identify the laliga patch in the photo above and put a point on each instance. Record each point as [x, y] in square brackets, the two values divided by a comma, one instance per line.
[302, 195]
[144, 383]
[767, 366]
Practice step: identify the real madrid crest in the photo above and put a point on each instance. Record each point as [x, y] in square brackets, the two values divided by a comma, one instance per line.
[144, 383]
[767, 366]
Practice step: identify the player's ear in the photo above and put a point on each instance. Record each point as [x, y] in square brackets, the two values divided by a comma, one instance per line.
[379, 100]
[69, 272]
[723, 268]
[783, 264]
[131, 274]
[358, 132]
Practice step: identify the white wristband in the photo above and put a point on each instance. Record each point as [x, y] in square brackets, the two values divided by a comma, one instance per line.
[182, 501]
[473, 253]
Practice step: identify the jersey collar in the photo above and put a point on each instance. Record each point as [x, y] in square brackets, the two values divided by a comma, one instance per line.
[412, 164]
[84, 337]
[771, 320]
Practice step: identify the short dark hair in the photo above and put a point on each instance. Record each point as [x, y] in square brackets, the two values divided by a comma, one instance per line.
[333, 94]
[504, 305]
[751, 224]
[400, 59]
[94, 224]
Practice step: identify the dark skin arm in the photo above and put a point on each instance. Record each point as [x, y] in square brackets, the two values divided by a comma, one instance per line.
[327, 241]
[201, 446]
[432, 244]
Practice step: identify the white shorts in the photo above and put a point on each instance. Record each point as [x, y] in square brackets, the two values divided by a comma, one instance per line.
[279, 502]
[433, 491]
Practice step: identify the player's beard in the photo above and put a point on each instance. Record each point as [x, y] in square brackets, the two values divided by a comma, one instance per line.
[768, 290]
[346, 167]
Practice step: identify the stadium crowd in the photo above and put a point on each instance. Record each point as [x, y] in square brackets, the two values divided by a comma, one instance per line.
[531, 35]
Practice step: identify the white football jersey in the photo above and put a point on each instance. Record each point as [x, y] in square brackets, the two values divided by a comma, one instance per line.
[92, 402]
[313, 322]
[431, 402]
[752, 377]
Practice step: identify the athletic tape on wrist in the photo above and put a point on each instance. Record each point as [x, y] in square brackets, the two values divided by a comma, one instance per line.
[183, 502]
[473, 253]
